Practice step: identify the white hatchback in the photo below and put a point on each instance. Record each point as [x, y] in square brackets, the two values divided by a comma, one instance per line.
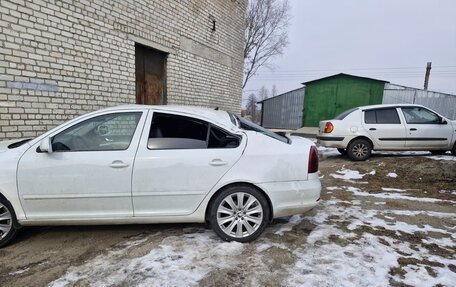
[157, 164]
[358, 131]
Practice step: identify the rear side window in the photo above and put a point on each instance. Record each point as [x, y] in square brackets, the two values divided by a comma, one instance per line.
[219, 138]
[370, 117]
[179, 132]
[382, 116]
[345, 114]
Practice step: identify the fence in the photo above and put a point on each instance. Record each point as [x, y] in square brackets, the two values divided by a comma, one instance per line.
[283, 111]
[444, 104]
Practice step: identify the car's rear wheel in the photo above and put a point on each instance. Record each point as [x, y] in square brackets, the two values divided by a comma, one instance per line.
[453, 150]
[239, 213]
[342, 151]
[8, 225]
[359, 149]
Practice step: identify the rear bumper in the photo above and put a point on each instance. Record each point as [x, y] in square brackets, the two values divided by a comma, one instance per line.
[292, 197]
[330, 141]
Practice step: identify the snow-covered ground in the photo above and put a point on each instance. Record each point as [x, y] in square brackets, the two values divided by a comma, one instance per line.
[337, 252]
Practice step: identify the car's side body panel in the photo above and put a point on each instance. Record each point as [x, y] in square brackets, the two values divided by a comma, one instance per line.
[275, 168]
[175, 181]
[78, 183]
[385, 135]
[8, 171]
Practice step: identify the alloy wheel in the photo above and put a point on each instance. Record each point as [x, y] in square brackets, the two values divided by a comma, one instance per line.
[360, 150]
[239, 214]
[6, 221]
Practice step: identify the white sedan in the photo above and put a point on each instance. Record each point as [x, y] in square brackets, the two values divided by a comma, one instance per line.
[157, 164]
[358, 131]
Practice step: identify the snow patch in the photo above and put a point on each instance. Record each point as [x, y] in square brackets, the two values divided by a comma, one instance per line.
[348, 174]
[177, 261]
[358, 192]
[392, 174]
[443, 157]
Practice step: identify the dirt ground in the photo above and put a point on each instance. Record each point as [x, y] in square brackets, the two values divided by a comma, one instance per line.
[386, 221]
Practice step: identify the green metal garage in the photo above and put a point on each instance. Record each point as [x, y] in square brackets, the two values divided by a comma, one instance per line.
[327, 97]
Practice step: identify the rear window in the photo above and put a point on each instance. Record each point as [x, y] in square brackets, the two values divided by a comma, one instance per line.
[345, 114]
[249, 126]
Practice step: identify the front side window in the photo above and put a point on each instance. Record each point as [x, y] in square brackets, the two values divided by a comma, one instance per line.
[418, 115]
[382, 116]
[101, 133]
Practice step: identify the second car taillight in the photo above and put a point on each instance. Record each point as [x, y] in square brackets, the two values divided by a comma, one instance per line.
[329, 127]
[313, 160]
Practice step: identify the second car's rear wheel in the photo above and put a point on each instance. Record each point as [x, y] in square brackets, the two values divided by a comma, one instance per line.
[239, 213]
[8, 226]
[359, 149]
[342, 151]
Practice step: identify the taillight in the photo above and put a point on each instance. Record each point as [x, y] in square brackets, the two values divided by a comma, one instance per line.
[313, 160]
[329, 127]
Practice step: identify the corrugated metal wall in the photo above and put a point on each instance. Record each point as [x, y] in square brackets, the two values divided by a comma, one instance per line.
[284, 111]
[444, 104]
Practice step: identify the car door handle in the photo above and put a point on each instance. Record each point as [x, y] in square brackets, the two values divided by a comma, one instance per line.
[118, 164]
[372, 129]
[413, 129]
[218, 162]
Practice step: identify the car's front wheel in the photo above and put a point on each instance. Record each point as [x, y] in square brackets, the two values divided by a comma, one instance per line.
[359, 149]
[239, 213]
[8, 226]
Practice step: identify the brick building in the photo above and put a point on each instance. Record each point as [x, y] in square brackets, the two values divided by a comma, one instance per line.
[62, 58]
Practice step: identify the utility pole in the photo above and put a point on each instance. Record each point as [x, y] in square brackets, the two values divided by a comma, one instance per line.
[426, 77]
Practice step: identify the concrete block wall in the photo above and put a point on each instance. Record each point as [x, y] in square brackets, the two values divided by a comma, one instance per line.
[63, 58]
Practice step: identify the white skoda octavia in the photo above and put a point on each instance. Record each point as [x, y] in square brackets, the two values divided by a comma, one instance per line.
[157, 164]
[358, 131]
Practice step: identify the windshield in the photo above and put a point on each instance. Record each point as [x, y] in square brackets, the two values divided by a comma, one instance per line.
[249, 126]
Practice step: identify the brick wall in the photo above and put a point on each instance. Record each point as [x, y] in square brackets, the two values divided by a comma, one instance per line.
[63, 58]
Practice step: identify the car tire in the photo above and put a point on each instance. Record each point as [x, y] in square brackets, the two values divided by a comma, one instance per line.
[342, 151]
[453, 150]
[8, 222]
[359, 149]
[239, 222]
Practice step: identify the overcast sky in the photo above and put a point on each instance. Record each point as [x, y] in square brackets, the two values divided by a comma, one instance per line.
[389, 40]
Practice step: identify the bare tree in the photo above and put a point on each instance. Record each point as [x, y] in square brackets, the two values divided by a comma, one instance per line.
[266, 33]
[263, 93]
[274, 90]
[252, 107]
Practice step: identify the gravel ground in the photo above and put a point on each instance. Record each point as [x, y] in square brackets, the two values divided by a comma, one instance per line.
[387, 221]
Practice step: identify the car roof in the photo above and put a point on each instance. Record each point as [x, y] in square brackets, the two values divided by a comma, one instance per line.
[217, 116]
[388, 106]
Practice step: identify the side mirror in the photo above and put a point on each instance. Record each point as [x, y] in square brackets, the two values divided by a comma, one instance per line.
[443, 121]
[45, 145]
